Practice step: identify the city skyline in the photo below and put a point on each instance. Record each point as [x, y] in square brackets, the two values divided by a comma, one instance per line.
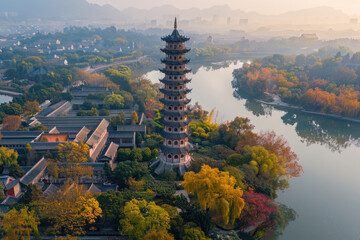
[265, 7]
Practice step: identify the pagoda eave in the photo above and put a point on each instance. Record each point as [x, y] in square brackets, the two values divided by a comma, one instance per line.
[174, 92]
[177, 150]
[176, 83]
[172, 73]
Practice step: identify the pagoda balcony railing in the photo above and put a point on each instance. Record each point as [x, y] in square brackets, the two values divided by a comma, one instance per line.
[175, 92]
[174, 113]
[175, 51]
[169, 62]
[175, 82]
[175, 103]
[175, 124]
[177, 72]
[173, 135]
[175, 150]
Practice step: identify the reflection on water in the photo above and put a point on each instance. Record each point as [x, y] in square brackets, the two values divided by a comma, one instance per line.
[312, 129]
[319, 130]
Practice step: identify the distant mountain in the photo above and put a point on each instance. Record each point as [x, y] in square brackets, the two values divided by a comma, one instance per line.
[58, 10]
[319, 15]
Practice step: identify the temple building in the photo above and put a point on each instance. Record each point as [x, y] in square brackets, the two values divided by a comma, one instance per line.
[175, 149]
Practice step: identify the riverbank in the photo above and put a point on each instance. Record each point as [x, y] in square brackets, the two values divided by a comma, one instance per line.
[9, 93]
[279, 103]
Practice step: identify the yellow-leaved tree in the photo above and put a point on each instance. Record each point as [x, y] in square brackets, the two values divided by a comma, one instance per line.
[70, 210]
[19, 224]
[215, 191]
[73, 152]
[143, 217]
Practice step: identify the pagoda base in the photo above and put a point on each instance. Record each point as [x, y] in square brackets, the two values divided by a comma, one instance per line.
[161, 165]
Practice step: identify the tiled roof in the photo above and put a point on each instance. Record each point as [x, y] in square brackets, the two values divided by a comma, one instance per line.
[35, 172]
[11, 184]
[50, 190]
[82, 135]
[111, 151]
[131, 128]
[93, 189]
[98, 132]
[10, 200]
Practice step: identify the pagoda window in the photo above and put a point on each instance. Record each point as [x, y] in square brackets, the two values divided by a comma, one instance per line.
[176, 98]
[182, 142]
[180, 86]
[176, 157]
[169, 156]
[176, 119]
[169, 97]
[170, 108]
[176, 143]
[181, 129]
[176, 67]
[170, 67]
[175, 46]
[169, 129]
[175, 87]
[169, 142]
[181, 97]
[170, 118]
[180, 77]
[181, 118]
[170, 45]
[182, 155]
[175, 77]
[175, 58]
[175, 129]
[170, 87]
[180, 108]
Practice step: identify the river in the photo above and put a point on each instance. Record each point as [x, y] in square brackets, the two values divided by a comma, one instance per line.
[5, 99]
[326, 197]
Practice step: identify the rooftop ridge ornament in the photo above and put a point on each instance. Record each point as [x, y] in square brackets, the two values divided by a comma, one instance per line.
[175, 24]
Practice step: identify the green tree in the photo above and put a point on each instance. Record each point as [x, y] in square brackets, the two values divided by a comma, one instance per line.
[111, 202]
[146, 154]
[123, 154]
[32, 194]
[115, 101]
[20, 225]
[143, 217]
[16, 171]
[136, 155]
[194, 233]
[104, 112]
[118, 120]
[94, 112]
[2, 191]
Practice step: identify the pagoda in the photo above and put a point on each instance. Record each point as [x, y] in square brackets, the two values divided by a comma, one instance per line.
[175, 149]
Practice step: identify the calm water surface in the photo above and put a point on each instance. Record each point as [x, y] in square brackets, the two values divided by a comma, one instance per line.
[327, 196]
[5, 99]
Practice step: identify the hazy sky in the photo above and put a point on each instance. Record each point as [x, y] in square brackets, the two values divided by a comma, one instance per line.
[261, 6]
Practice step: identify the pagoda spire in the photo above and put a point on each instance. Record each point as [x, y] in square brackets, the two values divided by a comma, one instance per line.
[175, 24]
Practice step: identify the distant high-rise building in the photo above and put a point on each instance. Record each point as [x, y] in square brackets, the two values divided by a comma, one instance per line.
[228, 20]
[175, 149]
